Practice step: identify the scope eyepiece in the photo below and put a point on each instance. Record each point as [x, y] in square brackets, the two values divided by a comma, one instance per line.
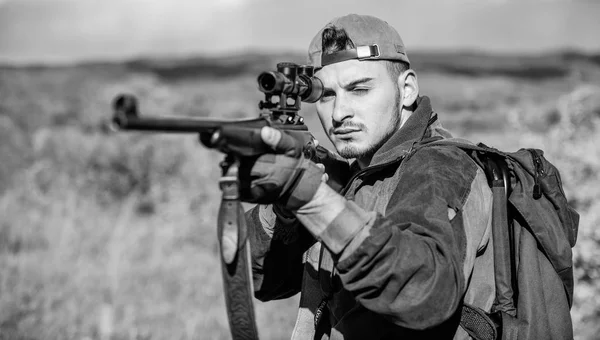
[314, 92]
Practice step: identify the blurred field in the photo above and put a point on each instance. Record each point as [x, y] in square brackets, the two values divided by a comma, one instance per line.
[113, 235]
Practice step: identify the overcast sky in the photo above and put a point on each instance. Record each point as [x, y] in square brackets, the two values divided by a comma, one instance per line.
[75, 30]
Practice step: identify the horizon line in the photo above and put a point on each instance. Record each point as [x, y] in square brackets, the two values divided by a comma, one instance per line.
[149, 57]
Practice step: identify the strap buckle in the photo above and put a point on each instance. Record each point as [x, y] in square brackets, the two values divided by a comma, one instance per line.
[229, 185]
[368, 52]
[229, 182]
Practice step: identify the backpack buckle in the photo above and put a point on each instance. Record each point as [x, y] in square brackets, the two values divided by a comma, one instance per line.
[497, 172]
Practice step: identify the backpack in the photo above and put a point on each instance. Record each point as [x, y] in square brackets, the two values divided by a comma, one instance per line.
[533, 231]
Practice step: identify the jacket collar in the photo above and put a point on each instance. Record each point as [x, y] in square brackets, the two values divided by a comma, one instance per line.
[414, 130]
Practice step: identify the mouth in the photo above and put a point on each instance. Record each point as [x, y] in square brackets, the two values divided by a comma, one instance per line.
[344, 131]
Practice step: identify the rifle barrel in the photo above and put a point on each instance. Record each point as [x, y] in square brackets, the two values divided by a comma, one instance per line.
[124, 121]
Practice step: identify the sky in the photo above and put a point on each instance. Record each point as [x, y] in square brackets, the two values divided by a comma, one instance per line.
[63, 31]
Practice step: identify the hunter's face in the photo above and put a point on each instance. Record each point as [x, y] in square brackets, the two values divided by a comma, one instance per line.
[360, 107]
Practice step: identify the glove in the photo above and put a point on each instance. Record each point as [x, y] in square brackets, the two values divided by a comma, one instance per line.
[284, 177]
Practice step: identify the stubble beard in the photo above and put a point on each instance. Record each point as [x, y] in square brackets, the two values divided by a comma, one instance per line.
[350, 151]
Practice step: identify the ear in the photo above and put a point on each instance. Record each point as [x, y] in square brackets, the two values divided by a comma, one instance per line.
[409, 87]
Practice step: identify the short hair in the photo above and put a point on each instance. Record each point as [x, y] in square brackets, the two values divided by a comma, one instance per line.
[336, 39]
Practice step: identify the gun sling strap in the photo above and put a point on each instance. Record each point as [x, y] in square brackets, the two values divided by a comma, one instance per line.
[235, 257]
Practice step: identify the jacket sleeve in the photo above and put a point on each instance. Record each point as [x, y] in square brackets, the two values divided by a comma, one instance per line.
[277, 246]
[408, 264]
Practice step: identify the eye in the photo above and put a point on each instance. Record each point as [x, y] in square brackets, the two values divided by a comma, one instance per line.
[360, 91]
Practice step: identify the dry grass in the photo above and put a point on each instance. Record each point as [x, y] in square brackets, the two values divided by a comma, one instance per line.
[113, 236]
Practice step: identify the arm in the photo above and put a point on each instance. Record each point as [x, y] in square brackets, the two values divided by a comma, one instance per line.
[407, 265]
[277, 246]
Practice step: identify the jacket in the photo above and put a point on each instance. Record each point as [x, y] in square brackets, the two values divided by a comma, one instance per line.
[406, 272]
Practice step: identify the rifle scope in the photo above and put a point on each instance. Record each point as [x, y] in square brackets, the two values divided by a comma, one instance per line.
[292, 80]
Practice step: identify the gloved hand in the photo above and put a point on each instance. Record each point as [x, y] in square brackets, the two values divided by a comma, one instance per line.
[284, 177]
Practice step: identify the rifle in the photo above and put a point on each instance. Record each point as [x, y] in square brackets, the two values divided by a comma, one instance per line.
[284, 90]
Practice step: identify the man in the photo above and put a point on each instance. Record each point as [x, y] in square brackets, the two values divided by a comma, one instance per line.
[392, 255]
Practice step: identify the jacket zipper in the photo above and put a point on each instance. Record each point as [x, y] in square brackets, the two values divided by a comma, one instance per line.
[322, 308]
[538, 172]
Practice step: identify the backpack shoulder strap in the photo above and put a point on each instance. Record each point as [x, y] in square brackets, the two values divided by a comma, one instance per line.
[461, 143]
[494, 164]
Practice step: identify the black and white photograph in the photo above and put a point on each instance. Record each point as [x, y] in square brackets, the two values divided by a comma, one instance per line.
[319, 170]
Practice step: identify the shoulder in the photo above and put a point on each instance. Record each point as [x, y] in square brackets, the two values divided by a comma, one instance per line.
[448, 170]
[441, 160]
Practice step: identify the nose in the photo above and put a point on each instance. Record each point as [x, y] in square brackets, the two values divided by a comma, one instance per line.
[341, 110]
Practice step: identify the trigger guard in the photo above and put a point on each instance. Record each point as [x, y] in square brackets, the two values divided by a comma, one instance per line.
[309, 151]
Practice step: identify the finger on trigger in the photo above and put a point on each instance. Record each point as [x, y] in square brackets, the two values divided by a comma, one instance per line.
[288, 146]
[320, 165]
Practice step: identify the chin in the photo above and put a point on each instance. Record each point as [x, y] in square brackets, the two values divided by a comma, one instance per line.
[351, 150]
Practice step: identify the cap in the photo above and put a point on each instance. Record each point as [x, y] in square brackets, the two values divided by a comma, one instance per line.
[374, 39]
